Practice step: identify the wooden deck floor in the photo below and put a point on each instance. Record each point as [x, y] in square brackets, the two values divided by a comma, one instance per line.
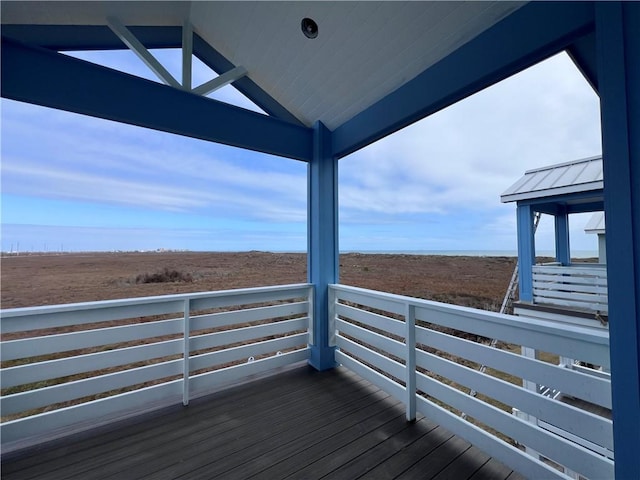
[296, 424]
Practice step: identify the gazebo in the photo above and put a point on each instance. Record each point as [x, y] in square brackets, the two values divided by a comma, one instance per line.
[334, 77]
[561, 290]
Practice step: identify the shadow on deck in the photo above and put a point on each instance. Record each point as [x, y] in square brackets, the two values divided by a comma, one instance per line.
[296, 424]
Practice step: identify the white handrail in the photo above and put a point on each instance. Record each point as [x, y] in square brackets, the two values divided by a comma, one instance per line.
[373, 340]
[582, 286]
[63, 358]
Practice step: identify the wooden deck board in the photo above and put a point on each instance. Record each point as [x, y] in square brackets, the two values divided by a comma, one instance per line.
[465, 465]
[296, 424]
[284, 461]
[164, 428]
[491, 469]
[402, 460]
[173, 459]
[269, 432]
[437, 460]
[121, 435]
[249, 461]
[364, 453]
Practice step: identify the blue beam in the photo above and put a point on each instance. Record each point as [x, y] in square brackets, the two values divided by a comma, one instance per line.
[561, 220]
[618, 49]
[578, 202]
[529, 35]
[218, 63]
[90, 37]
[553, 208]
[322, 252]
[583, 54]
[526, 252]
[597, 206]
[548, 208]
[42, 77]
[100, 37]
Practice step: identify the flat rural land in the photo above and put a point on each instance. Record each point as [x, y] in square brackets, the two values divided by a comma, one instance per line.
[48, 279]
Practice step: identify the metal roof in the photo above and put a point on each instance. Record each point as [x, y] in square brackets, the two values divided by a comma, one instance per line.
[562, 179]
[364, 50]
[595, 224]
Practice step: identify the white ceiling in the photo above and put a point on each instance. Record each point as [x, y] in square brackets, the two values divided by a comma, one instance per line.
[364, 50]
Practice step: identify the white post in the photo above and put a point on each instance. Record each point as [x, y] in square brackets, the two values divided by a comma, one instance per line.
[533, 386]
[410, 361]
[310, 330]
[332, 317]
[186, 353]
[529, 353]
[565, 362]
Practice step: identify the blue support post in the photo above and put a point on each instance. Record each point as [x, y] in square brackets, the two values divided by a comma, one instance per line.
[526, 252]
[563, 253]
[618, 54]
[322, 256]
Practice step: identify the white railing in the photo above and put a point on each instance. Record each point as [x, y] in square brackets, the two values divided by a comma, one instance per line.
[68, 365]
[419, 351]
[575, 286]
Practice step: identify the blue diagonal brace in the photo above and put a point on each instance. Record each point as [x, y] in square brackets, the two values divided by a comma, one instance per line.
[42, 77]
[583, 54]
[218, 63]
[100, 37]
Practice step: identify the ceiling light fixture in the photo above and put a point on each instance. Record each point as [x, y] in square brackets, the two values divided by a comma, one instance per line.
[309, 28]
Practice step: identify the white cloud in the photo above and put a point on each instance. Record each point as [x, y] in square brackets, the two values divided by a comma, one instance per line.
[60, 155]
[409, 191]
[464, 157]
[42, 180]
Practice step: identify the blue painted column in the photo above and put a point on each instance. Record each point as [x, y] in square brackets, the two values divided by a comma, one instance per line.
[526, 252]
[563, 253]
[618, 56]
[322, 234]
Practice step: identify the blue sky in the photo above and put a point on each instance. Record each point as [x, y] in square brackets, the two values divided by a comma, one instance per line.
[76, 183]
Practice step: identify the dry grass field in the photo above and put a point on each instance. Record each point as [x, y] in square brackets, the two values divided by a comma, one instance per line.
[30, 280]
[39, 279]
